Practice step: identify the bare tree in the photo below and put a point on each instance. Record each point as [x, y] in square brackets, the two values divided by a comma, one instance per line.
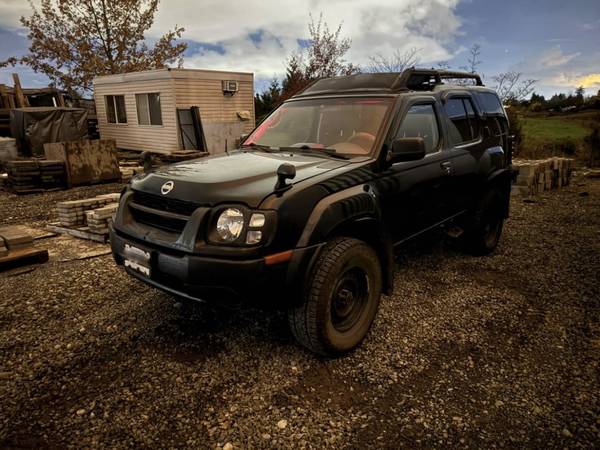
[511, 87]
[473, 60]
[398, 62]
[71, 41]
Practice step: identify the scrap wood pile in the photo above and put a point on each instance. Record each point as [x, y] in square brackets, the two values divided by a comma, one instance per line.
[541, 175]
[88, 218]
[29, 176]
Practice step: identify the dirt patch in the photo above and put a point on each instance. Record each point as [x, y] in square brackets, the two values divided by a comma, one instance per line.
[500, 351]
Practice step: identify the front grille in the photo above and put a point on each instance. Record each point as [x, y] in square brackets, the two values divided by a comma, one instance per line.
[164, 203]
[164, 213]
[170, 224]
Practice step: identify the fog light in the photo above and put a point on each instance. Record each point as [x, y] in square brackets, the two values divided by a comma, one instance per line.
[257, 220]
[253, 237]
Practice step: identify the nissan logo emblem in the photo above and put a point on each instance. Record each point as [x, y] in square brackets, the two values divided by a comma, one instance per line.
[167, 187]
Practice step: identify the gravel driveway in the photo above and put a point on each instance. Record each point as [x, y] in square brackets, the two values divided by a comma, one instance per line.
[499, 351]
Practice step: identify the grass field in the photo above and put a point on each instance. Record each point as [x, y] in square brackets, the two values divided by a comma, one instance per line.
[547, 135]
[537, 129]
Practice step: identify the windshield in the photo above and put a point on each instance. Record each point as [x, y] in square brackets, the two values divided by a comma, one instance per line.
[346, 125]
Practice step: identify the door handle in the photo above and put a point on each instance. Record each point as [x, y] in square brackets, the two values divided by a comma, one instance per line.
[446, 167]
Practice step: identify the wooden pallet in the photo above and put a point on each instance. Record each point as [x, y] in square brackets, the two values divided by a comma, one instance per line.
[81, 232]
[22, 256]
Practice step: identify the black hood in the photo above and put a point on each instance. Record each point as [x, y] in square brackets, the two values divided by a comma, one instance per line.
[240, 177]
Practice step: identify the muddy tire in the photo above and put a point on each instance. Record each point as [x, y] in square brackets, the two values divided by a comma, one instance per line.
[484, 231]
[340, 299]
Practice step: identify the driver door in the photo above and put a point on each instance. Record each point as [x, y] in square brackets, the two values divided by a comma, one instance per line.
[415, 199]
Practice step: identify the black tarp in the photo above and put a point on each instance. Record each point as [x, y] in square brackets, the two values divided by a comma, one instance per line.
[34, 127]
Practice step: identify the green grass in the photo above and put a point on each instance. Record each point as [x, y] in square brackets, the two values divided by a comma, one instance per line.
[551, 130]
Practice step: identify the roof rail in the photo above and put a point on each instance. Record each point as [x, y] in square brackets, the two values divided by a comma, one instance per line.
[425, 79]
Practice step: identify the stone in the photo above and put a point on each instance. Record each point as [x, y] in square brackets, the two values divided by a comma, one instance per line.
[282, 424]
[228, 446]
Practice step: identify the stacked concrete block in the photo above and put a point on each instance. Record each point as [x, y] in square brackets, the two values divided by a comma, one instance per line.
[16, 248]
[73, 212]
[541, 175]
[128, 172]
[14, 238]
[98, 219]
[25, 176]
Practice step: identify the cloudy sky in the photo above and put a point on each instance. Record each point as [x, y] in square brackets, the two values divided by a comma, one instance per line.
[554, 41]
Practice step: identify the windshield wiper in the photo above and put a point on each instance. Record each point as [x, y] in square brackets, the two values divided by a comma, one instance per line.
[265, 148]
[315, 151]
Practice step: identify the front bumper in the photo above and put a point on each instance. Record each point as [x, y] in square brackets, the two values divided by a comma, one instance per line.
[221, 281]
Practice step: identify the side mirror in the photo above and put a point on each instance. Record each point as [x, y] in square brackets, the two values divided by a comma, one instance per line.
[407, 149]
[284, 172]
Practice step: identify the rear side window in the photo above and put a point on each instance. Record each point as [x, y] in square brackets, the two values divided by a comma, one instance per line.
[464, 125]
[421, 121]
[490, 103]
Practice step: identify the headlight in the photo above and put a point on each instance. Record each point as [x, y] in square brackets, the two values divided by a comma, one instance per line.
[230, 224]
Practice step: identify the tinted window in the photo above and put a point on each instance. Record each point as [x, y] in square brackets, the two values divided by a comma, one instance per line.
[348, 125]
[420, 121]
[464, 124]
[473, 122]
[460, 131]
[490, 103]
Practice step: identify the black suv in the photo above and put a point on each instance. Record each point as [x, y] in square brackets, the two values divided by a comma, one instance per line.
[313, 204]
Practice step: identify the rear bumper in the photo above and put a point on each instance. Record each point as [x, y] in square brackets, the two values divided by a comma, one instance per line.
[220, 281]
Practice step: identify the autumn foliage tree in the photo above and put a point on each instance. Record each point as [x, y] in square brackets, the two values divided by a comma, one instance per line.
[324, 56]
[72, 41]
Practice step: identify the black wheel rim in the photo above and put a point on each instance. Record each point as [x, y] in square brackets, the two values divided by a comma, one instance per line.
[350, 296]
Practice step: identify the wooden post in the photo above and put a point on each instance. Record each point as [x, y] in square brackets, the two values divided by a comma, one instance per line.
[60, 100]
[20, 98]
[3, 97]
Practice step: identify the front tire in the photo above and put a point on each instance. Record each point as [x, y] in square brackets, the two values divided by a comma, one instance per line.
[340, 299]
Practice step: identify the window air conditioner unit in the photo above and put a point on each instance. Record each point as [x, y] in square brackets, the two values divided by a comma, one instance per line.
[230, 86]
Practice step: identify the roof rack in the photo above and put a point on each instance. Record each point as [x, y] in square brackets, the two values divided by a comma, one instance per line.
[410, 79]
[425, 79]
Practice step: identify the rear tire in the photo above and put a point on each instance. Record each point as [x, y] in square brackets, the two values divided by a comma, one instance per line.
[340, 299]
[483, 233]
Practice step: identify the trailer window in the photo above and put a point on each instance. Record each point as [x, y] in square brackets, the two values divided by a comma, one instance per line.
[115, 109]
[148, 109]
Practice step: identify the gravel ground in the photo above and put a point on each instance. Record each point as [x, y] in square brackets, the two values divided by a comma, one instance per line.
[500, 351]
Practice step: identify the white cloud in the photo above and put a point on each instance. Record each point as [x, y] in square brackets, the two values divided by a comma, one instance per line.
[554, 57]
[382, 27]
[12, 10]
[374, 27]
